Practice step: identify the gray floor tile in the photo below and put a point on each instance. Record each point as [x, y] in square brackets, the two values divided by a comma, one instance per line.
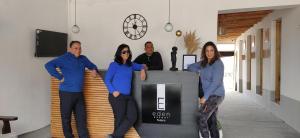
[243, 118]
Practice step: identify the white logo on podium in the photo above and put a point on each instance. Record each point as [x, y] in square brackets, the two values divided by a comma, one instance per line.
[161, 97]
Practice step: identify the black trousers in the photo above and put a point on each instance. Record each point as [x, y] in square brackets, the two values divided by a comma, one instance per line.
[73, 102]
[125, 114]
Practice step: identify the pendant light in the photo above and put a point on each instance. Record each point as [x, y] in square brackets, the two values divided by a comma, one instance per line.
[169, 27]
[75, 27]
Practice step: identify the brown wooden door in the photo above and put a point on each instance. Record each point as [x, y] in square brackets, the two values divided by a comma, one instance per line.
[248, 57]
[278, 61]
[241, 54]
[260, 63]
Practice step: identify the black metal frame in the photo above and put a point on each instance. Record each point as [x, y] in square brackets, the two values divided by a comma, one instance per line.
[186, 55]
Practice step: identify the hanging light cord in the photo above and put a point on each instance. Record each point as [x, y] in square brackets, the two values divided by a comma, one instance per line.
[169, 10]
[75, 13]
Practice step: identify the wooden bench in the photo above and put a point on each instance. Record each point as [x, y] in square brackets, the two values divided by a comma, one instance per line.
[6, 125]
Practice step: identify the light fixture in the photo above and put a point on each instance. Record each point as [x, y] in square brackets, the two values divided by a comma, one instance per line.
[169, 27]
[178, 33]
[75, 27]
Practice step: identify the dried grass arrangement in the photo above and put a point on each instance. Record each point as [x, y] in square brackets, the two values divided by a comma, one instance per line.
[191, 42]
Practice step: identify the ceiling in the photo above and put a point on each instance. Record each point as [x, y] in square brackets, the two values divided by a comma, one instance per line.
[234, 24]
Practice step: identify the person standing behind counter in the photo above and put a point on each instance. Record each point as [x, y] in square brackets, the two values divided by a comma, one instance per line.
[150, 58]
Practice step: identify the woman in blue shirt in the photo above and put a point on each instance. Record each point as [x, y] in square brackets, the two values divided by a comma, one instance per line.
[118, 81]
[211, 70]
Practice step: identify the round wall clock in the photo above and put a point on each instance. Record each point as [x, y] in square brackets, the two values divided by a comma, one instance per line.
[135, 26]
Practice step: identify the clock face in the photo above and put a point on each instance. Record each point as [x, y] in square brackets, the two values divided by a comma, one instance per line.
[135, 26]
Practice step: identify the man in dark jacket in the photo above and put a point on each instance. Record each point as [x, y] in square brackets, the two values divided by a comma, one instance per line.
[150, 58]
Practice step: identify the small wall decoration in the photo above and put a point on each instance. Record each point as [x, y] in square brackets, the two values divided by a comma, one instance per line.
[253, 44]
[178, 33]
[135, 26]
[191, 42]
[266, 36]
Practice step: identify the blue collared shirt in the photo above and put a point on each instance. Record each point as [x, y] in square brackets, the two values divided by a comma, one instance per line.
[211, 77]
[72, 71]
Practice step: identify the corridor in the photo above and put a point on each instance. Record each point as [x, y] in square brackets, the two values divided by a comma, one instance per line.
[241, 117]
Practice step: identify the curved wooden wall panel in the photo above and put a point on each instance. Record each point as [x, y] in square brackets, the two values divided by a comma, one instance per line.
[99, 114]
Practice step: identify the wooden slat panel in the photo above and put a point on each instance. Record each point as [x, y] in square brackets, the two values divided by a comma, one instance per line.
[99, 114]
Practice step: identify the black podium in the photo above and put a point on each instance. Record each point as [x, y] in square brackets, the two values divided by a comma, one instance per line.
[167, 103]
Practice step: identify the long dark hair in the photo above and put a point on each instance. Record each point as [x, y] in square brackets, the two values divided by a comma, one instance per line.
[204, 59]
[118, 57]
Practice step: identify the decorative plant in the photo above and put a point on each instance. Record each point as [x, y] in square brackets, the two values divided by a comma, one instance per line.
[191, 42]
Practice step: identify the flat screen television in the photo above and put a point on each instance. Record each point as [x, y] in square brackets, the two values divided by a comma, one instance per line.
[50, 44]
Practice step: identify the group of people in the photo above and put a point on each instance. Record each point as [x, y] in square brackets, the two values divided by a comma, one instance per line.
[118, 80]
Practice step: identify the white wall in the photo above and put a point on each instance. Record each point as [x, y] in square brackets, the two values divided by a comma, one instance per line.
[25, 89]
[290, 66]
[290, 96]
[101, 26]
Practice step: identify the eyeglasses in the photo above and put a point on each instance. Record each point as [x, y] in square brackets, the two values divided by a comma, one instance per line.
[125, 52]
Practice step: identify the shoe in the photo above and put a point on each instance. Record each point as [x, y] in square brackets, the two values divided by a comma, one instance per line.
[110, 136]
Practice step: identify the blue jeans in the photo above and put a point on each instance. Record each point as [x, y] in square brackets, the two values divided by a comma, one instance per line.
[208, 114]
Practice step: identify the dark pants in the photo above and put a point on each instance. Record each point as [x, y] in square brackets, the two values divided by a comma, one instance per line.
[208, 115]
[73, 102]
[125, 114]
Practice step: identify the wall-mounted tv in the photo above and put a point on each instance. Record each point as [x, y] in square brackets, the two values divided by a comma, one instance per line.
[50, 44]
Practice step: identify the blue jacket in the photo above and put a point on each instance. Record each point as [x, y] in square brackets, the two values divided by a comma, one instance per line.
[119, 77]
[72, 70]
[211, 77]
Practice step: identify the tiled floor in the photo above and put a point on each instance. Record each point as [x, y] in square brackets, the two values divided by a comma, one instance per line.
[243, 118]
[41, 133]
[240, 117]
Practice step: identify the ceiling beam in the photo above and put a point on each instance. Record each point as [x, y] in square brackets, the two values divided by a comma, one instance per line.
[241, 14]
[237, 23]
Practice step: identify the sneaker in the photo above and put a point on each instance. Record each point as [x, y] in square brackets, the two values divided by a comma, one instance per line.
[110, 136]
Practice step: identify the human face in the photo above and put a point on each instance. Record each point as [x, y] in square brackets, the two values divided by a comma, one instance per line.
[210, 52]
[125, 54]
[75, 49]
[149, 49]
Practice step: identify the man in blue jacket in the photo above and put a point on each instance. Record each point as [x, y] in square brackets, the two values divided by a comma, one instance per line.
[72, 66]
